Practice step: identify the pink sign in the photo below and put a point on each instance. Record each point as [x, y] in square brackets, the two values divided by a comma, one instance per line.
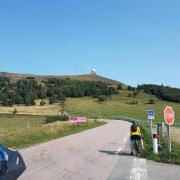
[78, 119]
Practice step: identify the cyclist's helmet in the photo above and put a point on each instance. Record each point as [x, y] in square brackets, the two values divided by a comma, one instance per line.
[134, 122]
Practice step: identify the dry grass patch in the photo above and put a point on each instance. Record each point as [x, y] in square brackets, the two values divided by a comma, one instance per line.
[176, 134]
[58, 126]
[32, 110]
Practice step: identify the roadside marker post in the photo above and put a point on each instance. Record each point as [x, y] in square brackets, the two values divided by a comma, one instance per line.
[151, 114]
[162, 129]
[155, 140]
[169, 117]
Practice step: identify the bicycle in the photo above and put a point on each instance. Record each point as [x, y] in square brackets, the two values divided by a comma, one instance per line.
[136, 147]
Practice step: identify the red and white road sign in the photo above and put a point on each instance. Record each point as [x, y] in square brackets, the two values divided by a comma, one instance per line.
[169, 115]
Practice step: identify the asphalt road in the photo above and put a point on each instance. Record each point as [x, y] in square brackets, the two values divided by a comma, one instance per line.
[97, 154]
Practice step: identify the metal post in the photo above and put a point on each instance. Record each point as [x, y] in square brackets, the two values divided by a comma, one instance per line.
[150, 122]
[162, 130]
[158, 132]
[169, 138]
[162, 133]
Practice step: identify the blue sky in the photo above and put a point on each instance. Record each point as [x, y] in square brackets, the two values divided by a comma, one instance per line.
[131, 41]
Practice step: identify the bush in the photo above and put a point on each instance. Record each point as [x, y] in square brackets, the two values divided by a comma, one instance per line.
[129, 88]
[116, 92]
[15, 111]
[133, 102]
[53, 99]
[42, 103]
[135, 93]
[151, 101]
[94, 96]
[51, 119]
[101, 98]
[119, 87]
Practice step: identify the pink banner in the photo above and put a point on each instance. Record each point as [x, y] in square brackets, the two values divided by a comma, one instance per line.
[78, 119]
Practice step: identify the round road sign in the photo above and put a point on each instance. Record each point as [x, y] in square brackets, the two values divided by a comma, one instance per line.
[169, 115]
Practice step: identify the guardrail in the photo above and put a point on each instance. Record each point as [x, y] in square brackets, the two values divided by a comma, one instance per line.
[142, 121]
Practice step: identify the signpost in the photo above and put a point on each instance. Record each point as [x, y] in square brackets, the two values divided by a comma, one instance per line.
[151, 114]
[169, 117]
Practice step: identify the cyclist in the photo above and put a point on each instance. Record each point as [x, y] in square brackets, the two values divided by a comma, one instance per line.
[135, 134]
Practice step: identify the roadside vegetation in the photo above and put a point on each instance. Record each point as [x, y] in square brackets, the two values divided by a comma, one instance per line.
[121, 105]
[19, 131]
[164, 155]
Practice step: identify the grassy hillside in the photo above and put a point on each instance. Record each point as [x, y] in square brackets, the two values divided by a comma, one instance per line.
[14, 128]
[118, 106]
[84, 77]
[90, 107]
[162, 92]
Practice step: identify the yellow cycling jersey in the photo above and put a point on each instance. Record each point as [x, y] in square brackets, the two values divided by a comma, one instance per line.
[138, 132]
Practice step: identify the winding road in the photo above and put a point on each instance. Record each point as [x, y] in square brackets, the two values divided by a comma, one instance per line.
[97, 154]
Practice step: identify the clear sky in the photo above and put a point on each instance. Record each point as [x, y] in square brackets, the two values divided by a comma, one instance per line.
[133, 41]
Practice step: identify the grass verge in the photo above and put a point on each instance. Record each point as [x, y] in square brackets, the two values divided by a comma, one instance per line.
[164, 156]
[21, 138]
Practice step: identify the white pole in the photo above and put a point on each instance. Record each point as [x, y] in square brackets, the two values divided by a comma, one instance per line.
[155, 146]
[169, 138]
[155, 141]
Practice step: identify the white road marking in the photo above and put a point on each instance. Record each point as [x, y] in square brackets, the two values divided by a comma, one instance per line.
[139, 170]
[120, 149]
[125, 139]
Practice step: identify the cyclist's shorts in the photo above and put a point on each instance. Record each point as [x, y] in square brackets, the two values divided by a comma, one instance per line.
[134, 137]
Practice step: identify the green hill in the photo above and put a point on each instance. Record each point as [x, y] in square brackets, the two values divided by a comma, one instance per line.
[132, 103]
[162, 92]
[84, 77]
[120, 105]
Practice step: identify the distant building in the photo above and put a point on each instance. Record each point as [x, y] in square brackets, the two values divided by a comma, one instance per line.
[93, 71]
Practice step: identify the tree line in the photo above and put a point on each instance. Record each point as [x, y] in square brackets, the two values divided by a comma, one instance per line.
[162, 92]
[26, 91]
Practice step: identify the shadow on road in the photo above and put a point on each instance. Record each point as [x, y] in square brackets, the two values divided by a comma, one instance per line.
[15, 165]
[115, 153]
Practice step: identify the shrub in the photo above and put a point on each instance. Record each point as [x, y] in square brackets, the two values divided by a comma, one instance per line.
[151, 101]
[119, 87]
[133, 102]
[15, 111]
[135, 93]
[51, 119]
[101, 98]
[53, 99]
[129, 88]
[42, 103]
